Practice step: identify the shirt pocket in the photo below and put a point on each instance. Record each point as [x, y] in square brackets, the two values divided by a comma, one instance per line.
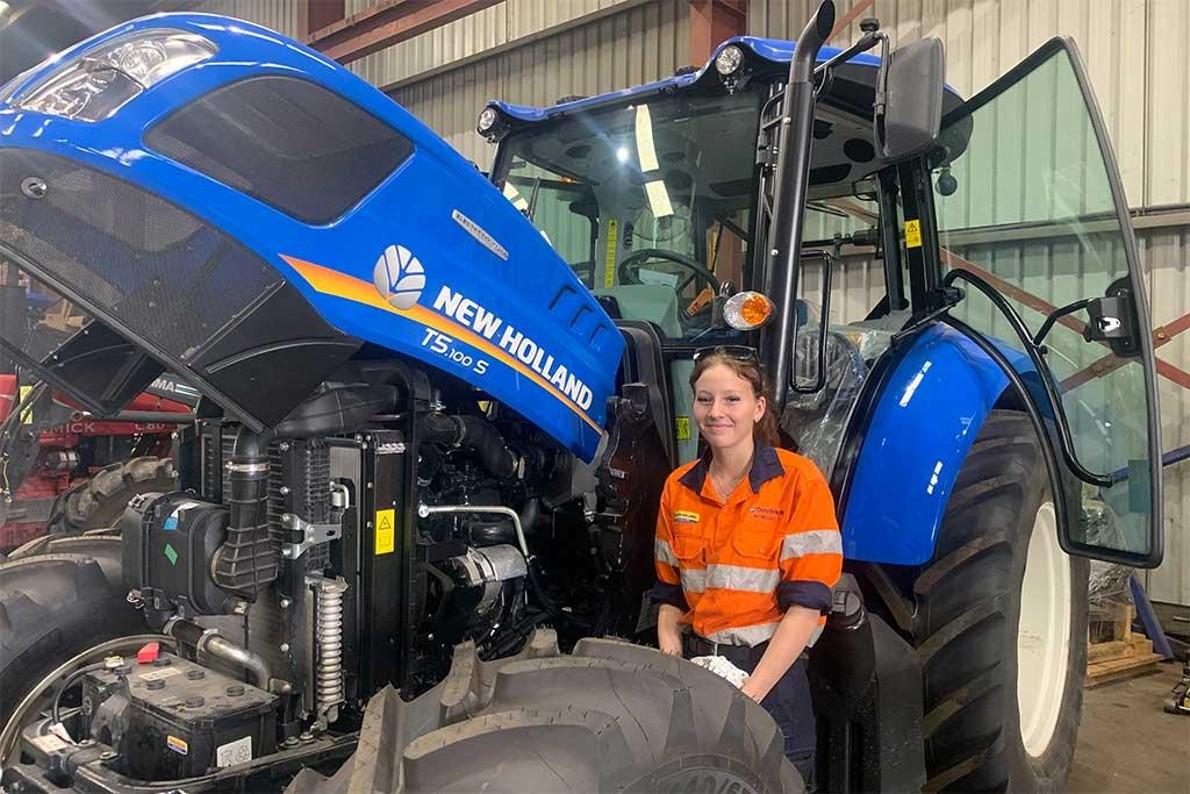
[688, 545]
[756, 545]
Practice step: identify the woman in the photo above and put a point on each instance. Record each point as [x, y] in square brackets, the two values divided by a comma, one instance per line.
[748, 548]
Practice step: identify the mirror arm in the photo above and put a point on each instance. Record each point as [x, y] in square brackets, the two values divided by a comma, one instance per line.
[1056, 315]
[1034, 352]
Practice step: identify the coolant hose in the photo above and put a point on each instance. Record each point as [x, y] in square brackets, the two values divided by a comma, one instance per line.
[474, 433]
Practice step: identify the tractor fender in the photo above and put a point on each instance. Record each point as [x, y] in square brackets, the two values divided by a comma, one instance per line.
[922, 424]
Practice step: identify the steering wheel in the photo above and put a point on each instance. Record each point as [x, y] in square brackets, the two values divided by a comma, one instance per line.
[637, 258]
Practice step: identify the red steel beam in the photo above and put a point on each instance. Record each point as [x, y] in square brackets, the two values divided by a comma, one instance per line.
[389, 23]
[314, 15]
[1110, 363]
[713, 22]
[1097, 369]
[852, 14]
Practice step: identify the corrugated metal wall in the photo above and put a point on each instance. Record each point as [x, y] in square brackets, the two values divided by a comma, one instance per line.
[636, 45]
[279, 15]
[1139, 70]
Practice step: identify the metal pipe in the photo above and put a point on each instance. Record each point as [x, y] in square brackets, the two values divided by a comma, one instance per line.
[210, 642]
[790, 192]
[228, 651]
[425, 511]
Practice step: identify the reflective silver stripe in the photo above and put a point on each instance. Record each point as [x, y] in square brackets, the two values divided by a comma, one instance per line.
[664, 553]
[745, 635]
[694, 580]
[814, 637]
[738, 577]
[818, 541]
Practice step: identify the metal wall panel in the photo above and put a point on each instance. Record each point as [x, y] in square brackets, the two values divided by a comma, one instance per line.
[1141, 81]
[500, 27]
[637, 45]
[278, 15]
[1166, 253]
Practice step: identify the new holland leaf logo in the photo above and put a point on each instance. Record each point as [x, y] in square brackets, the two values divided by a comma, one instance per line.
[399, 277]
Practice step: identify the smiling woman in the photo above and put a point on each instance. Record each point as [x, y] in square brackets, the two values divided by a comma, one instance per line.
[747, 548]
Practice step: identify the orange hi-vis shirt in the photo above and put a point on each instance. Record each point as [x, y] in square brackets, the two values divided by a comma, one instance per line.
[737, 564]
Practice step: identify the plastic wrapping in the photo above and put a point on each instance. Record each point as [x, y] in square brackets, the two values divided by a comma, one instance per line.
[1108, 584]
[817, 421]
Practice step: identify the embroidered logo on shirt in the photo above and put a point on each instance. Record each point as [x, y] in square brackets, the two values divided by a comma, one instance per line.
[686, 517]
[766, 513]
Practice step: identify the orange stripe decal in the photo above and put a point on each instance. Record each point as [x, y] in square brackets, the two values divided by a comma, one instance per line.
[332, 282]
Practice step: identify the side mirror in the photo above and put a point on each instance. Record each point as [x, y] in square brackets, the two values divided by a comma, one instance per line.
[913, 82]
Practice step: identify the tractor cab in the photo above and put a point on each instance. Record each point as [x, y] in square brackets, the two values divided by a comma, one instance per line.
[993, 223]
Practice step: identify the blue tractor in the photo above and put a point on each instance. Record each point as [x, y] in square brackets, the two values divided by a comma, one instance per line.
[437, 410]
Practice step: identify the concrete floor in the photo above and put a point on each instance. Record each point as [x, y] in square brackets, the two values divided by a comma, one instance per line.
[1127, 744]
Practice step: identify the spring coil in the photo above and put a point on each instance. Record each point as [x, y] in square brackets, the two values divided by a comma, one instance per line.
[329, 633]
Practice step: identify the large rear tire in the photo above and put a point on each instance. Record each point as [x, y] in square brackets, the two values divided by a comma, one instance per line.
[54, 606]
[609, 717]
[95, 505]
[98, 503]
[1000, 625]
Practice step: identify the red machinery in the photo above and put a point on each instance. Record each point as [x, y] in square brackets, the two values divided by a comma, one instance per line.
[40, 462]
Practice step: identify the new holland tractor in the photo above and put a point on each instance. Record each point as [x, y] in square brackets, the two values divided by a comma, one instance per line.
[411, 547]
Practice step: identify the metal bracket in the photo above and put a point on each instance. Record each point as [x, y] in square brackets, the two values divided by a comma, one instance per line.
[312, 535]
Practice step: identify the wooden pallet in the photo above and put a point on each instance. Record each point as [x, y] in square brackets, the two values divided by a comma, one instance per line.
[1114, 653]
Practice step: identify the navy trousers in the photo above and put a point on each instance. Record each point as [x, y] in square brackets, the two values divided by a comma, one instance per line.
[788, 701]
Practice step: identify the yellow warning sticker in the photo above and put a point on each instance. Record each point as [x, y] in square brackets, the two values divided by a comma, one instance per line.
[386, 534]
[609, 261]
[686, 517]
[27, 414]
[913, 233]
[179, 746]
[683, 428]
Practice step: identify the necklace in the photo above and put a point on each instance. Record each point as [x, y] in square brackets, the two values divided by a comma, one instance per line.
[726, 488]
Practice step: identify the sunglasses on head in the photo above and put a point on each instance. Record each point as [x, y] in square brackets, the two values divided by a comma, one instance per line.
[733, 352]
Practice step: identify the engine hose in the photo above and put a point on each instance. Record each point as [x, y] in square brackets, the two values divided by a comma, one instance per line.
[475, 433]
[248, 559]
[55, 710]
[530, 514]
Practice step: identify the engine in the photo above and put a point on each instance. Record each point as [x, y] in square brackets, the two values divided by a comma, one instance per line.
[299, 573]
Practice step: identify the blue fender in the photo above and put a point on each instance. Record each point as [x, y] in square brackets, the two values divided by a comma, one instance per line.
[925, 420]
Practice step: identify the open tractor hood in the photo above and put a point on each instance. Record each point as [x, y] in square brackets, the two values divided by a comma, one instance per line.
[206, 197]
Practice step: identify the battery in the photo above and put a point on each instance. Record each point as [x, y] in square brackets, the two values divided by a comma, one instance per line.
[172, 719]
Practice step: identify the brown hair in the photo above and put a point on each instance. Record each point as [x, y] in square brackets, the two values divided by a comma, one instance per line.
[765, 431]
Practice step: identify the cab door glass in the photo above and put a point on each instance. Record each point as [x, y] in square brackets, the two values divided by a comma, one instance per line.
[1030, 200]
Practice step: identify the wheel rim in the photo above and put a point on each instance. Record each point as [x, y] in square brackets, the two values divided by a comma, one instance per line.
[1043, 637]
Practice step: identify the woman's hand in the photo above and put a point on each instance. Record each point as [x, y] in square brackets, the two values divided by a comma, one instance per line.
[749, 689]
[669, 633]
[784, 648]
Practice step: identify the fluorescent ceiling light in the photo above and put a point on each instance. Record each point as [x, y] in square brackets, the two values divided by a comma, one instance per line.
[644, 139]
[658, 199]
